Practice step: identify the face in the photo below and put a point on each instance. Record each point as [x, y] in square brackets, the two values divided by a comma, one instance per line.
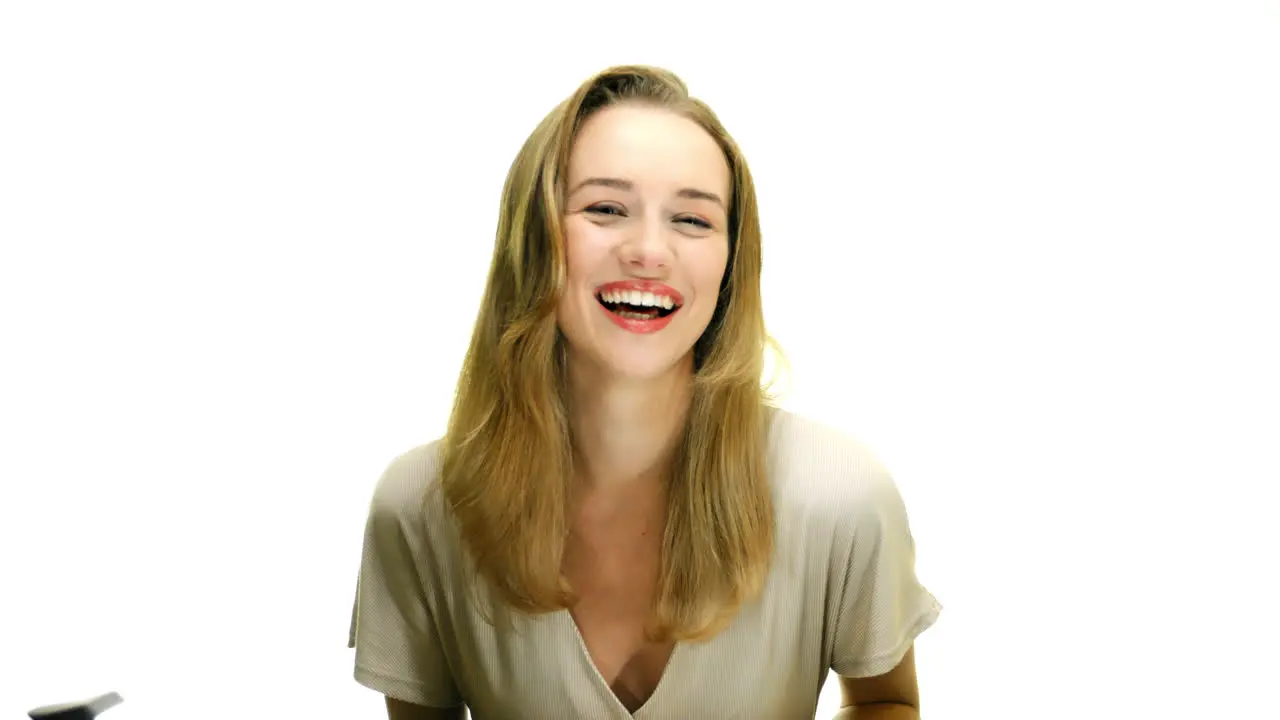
[646, 229]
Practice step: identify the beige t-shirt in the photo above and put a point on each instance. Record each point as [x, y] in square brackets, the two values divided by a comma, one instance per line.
[842, 595]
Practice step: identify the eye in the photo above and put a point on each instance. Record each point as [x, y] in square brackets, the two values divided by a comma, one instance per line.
[695, 221]
[606, 210]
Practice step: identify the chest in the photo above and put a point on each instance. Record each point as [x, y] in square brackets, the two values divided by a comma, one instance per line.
[615, 577]
[593, 661]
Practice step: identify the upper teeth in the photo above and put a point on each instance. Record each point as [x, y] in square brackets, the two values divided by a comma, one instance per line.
[638, 298]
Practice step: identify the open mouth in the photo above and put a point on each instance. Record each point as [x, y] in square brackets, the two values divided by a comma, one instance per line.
[633, 305]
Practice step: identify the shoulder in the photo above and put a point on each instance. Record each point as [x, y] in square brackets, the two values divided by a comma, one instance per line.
[808, 456]
[408, 484]
[408, 515]
[824, 475]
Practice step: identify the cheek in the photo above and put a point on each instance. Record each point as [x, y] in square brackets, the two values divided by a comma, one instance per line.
[582, 251]
[582, 257]
[711, 266]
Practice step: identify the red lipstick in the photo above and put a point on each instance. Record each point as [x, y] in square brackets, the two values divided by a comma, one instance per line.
[656, 288]
[621, 290]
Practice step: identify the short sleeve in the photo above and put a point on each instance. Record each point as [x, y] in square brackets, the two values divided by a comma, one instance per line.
[881, 607]
[395, 636]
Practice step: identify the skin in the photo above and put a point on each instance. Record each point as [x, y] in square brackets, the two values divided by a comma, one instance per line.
[648, 194]
[401, 710]
[629, 392]
[647, 200]
[894, 695]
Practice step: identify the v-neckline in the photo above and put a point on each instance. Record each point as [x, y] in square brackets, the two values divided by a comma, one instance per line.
[663, 681]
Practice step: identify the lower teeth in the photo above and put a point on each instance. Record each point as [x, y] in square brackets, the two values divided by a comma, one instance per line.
[635, 315]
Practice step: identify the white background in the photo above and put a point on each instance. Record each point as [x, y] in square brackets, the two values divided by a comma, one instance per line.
[1027, 251]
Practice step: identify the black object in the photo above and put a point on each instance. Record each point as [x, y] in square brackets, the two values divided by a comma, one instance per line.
[83, 710]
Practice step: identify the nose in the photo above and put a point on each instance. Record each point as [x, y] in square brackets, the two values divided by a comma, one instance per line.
[647, 248]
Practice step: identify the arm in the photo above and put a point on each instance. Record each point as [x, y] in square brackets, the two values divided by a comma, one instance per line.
[894, 695]
[401, 710]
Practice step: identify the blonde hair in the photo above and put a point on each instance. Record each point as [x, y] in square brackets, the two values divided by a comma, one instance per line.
[506, 457]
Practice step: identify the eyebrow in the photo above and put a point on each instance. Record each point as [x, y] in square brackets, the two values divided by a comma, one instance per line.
[628, 186]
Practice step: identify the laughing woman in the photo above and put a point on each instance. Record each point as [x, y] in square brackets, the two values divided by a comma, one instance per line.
[617, 523]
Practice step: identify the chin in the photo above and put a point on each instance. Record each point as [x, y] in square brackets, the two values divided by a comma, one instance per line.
[636, 366]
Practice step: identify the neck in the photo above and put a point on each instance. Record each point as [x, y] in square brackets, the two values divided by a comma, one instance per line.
[624, 430]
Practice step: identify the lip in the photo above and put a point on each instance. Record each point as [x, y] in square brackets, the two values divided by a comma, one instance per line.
[640, 327]
[656, 288]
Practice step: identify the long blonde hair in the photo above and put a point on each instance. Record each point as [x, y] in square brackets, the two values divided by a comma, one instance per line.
[506, 457]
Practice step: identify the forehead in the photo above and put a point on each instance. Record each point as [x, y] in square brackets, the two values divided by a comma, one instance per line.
[651, 147]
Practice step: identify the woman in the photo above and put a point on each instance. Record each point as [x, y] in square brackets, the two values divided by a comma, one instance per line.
[616, 523]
